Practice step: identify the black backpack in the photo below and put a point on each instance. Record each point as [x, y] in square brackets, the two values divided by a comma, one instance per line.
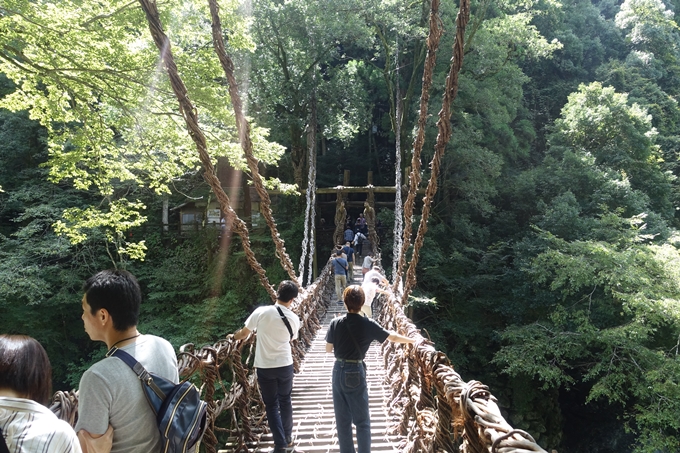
[180, 413]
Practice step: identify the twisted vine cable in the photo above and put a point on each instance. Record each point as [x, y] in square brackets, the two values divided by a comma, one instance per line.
[340, 216]
[312, 217]
[190, 116]
[310, 211]
[398, 208]
[243, 129]
[369, 215]
[443, 137]
[433, 39]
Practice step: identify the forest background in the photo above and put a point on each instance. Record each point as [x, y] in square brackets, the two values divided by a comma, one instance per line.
[550, 270]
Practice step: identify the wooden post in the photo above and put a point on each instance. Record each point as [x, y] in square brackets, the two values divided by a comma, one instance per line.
[345, 178]
[370, 178]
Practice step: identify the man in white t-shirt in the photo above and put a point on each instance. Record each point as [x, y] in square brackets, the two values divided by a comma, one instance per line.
[367, 264]
[376, 273]
[274, 361]
[370, 287]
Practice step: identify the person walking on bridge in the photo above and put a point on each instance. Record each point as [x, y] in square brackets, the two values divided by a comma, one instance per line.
[349, 251]
[358, 242]
[348, 235]
[340, 268]
[367, 265]
[276, 326]
[349, 338]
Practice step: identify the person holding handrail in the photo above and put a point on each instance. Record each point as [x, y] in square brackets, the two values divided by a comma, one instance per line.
[276, 325]
[349, 337]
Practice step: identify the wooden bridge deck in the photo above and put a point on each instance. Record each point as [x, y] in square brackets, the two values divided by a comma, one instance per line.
[313, 416]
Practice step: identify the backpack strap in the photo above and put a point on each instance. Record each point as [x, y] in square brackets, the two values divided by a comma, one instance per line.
[285, 321]
[3, 446]
[138, 368]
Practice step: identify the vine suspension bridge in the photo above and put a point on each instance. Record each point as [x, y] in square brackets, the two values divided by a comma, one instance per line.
[418, 402]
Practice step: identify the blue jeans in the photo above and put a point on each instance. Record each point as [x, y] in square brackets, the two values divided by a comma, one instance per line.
[350, 401]
[276, 385]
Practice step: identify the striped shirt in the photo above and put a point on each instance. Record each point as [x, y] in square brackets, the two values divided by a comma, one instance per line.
[29, 427]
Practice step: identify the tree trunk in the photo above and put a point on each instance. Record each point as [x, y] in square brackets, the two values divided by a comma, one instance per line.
[298, 154]
[165, 212]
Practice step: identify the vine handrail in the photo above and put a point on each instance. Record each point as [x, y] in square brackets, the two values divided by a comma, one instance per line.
[427, 389]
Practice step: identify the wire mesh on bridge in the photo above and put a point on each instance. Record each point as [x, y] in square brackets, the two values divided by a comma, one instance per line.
[429, 407]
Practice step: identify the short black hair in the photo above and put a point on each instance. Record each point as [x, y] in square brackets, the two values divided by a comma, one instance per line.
[25, 368]
[288, 290]
[338, 252]
[118, 292]
[376, 280]
[354, 297]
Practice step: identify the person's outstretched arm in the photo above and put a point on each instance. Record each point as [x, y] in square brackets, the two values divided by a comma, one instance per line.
[395, 337]
[242, 333]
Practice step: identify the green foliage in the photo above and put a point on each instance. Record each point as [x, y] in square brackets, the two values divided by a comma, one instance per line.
[91, 76]
[611, 328]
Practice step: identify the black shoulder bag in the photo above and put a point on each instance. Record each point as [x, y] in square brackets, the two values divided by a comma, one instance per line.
[285, 321]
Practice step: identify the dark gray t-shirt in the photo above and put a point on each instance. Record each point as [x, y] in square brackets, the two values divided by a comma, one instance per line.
[111, 393]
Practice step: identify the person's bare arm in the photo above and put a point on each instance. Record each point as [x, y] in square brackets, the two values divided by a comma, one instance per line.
[329, 347]
[395, 337]
[95, 442]
[241, 334]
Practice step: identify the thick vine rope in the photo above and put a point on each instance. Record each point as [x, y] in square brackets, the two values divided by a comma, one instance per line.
[398, 216]
[340, 217]
[190, 116]
[243, 129]
[369, 215]
[312, 215]
[310, 211]
[443, 137]
[434, 404]
[433, 38]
